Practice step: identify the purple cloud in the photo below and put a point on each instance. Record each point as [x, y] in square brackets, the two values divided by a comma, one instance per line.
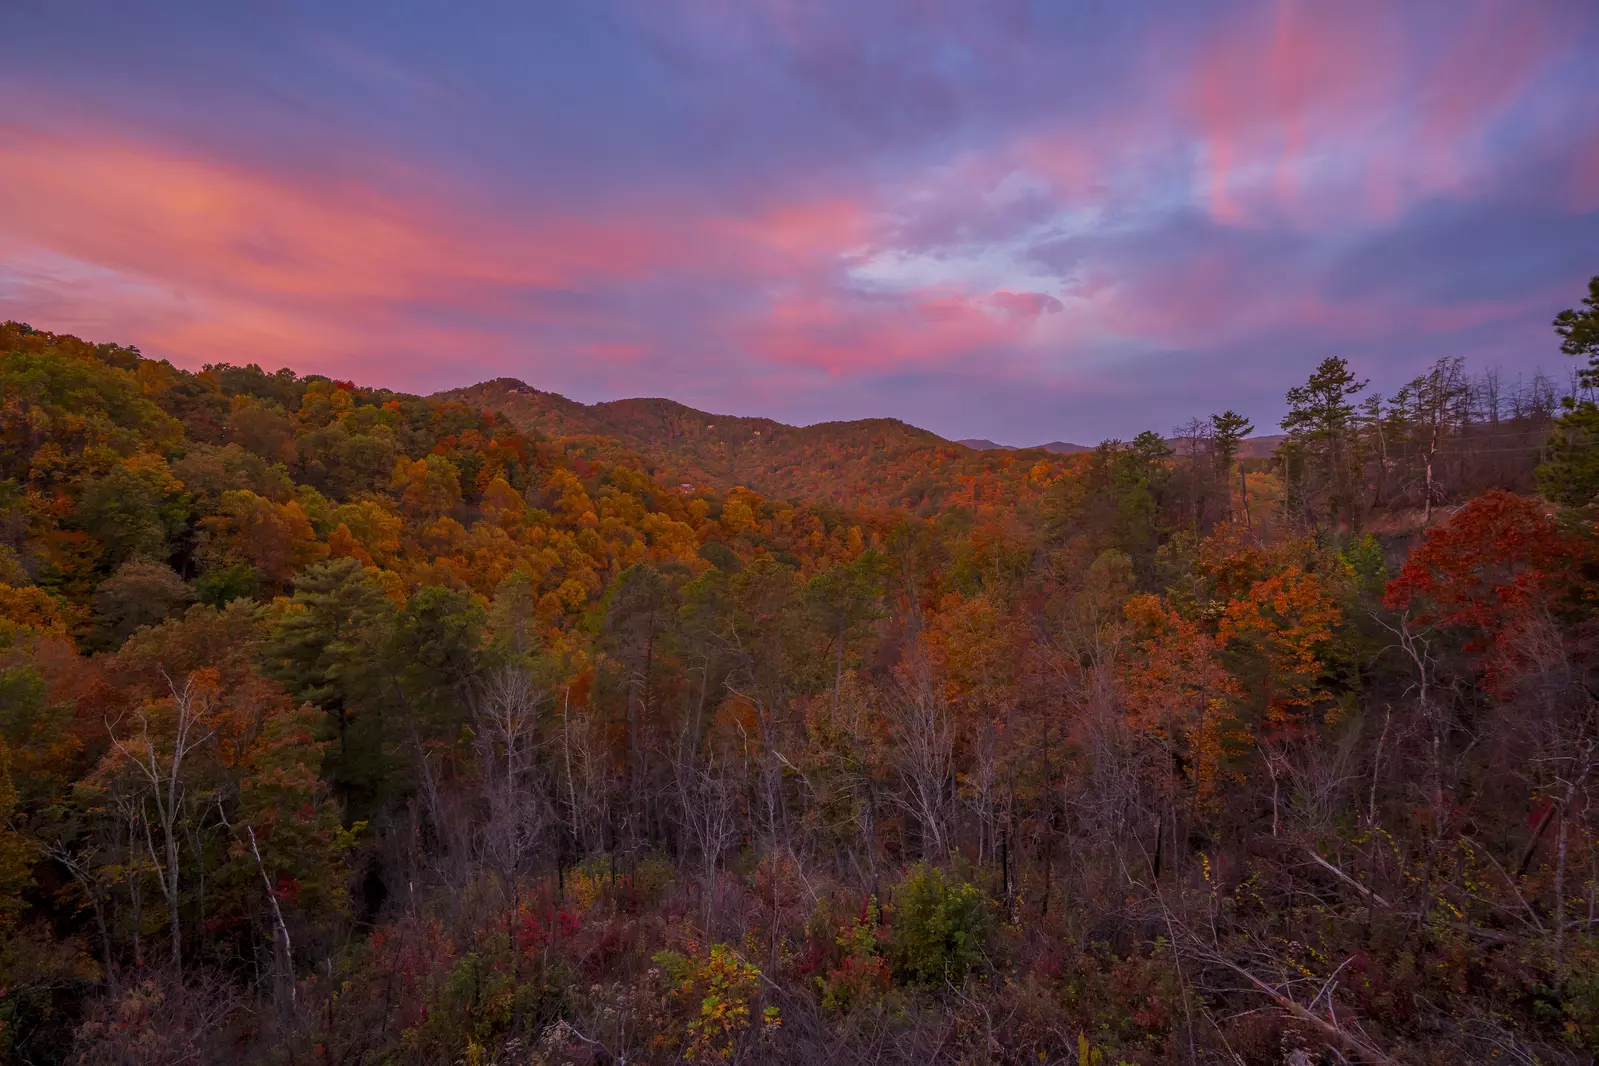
[1004, 220]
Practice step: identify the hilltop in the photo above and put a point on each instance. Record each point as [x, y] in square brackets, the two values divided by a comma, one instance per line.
[868, 462]
[874, 462]
[1054, 447]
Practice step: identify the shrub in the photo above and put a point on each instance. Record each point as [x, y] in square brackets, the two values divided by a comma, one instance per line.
[940, 927]
[712, 996]
[1579, 1001]
[861, 977]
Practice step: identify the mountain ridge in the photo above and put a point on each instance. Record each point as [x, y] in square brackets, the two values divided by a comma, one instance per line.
[872, 461]
[1054, 447]
[1260, 446]
[875, 461]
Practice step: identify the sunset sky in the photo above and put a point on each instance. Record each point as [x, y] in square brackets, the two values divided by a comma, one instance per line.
[1022, 221]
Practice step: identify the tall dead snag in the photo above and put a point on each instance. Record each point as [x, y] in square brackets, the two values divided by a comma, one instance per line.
[168, 732]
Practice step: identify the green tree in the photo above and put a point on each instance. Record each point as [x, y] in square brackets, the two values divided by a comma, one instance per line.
[1139, 474]
[511, 619]
[843, 600]
[290, 836]
[1319, 422]
[327, 647]
[639, 607]
[700, 627]
[1228, 431]
[1579, 332]
[433, 655]
[1119, 500]
[136, 509]
[940, 927]
[1570, 473]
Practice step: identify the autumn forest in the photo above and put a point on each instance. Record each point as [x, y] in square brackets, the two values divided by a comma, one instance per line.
[341, 725]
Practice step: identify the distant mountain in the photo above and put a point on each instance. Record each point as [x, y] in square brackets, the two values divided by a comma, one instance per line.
[874, 461]
[1260, 447]
[1056, 447]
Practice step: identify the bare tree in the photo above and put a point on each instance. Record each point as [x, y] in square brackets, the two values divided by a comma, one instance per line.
[708, 795]
[1435, 406]
[180, 726]
[1552, 723]
[924, 749]
[587, 772]
[505, 712]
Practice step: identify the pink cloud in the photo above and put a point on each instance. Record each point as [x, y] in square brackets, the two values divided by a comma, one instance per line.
[615, 351]
[132, 207]
[199, 258]
[1266, 95]
[844, 334]
[1323, 114]
[1319, 115]
[1488, 61]
[1375, 321]
[1205, 299]
[1024, 304]
[824, 226]
[1585, 177]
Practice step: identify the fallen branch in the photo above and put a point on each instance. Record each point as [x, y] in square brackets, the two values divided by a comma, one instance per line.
[1365, 893]
[1330, 1029]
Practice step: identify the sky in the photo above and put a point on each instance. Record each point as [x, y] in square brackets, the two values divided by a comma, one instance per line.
[1008, 219]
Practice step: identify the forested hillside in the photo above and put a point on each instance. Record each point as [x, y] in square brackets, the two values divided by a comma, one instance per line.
[339, 725]
[878, 462]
